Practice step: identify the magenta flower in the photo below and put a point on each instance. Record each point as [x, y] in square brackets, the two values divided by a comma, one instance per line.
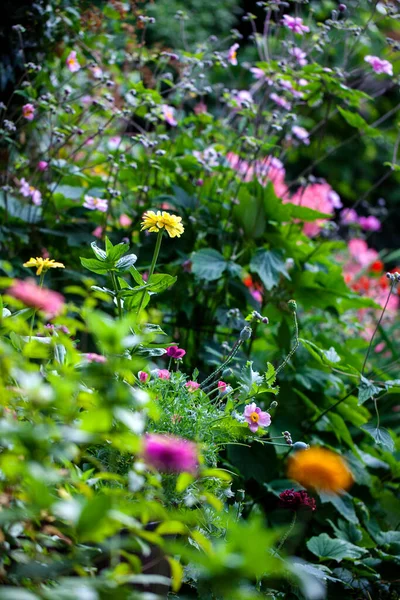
[95, 203]
[301, 134]
[295, 500]
[170, 454]
[72, 62]
[295, 24]
[30, 191]
[192, 386]
[42, 165]
[335, 200]
[379, 65]
[280, 101]
[299, 56]
[348, 215]
[243, 98]
[175, 352]
[163, 374]
[370, 223]
[28, 112]
[232, 54]
[222, 386]
[143, 376]
[255, 417]
[257, 73]
[49, 302]
[169, 115]
[93, 357]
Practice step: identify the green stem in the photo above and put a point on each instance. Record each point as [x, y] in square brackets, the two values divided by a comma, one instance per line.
[289, 531]
[153, 265]
[116, 289]
[41, 279]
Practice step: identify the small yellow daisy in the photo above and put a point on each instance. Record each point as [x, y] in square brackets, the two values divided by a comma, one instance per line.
[43, 264]
[154, 222]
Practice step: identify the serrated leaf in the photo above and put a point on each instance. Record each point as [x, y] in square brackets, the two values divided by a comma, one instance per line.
[380, 435]
[249, 379]
[367, 390]
[159, 283]
[208, 264]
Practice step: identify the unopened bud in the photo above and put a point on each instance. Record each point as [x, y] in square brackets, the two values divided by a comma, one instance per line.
[245, 334]
[300, 446]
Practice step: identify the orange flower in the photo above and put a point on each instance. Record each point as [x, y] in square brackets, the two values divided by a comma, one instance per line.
[320, 469]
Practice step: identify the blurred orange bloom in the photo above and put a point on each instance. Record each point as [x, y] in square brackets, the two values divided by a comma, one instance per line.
[320, 469]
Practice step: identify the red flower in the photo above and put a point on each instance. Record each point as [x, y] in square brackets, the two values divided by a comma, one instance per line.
[377, 266]
[295, 500]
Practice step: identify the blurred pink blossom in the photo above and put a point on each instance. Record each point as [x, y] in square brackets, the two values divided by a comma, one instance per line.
[295, 24]
[28, 112]
[370, 223]
[232, 54]
[49, 302]
[72, 62]
[298, 55]
[170, 454]
[280, 101]
[379, 65]
[92, 203]
[255, 417]
[42, 165]
[169, 115]
[192, 386]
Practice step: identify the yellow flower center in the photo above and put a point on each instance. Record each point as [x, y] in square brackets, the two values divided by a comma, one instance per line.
[255, 417]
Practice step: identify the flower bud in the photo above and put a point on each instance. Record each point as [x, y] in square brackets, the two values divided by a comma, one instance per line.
[245, 334]
[292, 305]
[300, 446]
[143, 376]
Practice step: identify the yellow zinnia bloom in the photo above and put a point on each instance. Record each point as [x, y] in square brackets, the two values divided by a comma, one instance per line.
[43, 264]
[156, 221]
[320, 469]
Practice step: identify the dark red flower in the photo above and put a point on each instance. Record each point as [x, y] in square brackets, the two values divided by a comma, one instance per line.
[295, 500]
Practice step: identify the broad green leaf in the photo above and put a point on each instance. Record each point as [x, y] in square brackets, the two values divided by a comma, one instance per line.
[269, 266]
[96, 266]
[380, 435]
[367, 390]
[208, 264]
[356, 120]
[126, 262]
[176, 573]
[158, 283]
[326, 547]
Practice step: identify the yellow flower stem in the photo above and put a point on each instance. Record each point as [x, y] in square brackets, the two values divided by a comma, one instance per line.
[153, 265]
[41, 279]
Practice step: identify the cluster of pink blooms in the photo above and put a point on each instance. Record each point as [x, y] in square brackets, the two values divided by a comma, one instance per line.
[28, 112]
[93, 203]
[170, 454]
[192, 386]
[92, 357]
[295, 24]
[163, 374]
[379, 65]
[295, 500]
[349, 216]
[28, 191]
[49, 302]
[255, 417]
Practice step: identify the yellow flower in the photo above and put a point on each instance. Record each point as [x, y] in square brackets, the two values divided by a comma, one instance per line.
[156, 221]
[43, 264]
[320, 469]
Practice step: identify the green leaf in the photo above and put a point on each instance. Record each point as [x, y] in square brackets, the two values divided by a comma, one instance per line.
[269, 266]
[96, 266]
[158, 283]
[367, 390]
[307, 214]
[326, 547]
[126, 262]
[99, 252]
[343, 504]
[176, 573]
[380, 435]
[249, 380]
[208, 264]
[136, 276]
[183, 481]
[94, 511]
[115, 253]
[356, 120]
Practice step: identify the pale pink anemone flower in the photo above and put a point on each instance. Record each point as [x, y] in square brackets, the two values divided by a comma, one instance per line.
[320, 197]
[72, 62]
[28, 112]
[42, 165]
[243, 98]
[169, 115]
[379, 65]
[192, 386]
[348, 216]
[232, 54]
[370, 223]
[299, 56]
[301, 134]
[255, 417]
[96, 71]
[92, 203]
[170, 454]
[30, 192]
[92, 357]
[257, 73]
[280, 101]
[49, 302]
[360, 254]
[163, 374]
[295, 24]
[125, 221]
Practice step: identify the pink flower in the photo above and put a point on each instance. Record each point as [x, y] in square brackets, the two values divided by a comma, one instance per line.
[348, 215]
[295, 24]
[95, 203]
[114, 142]
[257, 73]
[243, 98]
[232, 54]
[299, 56]
[72, 62]
[175, 352]
[200, 108]
[96, 71]
[163, 374]
[51, 303]
[170, 454]
[42, 165]
[169, 115]
[370, 223]
[295, 500]
[30, 191]
[93, 357]
[143, 376]
[28, 112]
[335, 199]
[280, 101]
[125, 221]
[318, 197]
[98, 232]
[192, 386]
[361, 253]
[379, 65]
[255, 417]
[301, 134]
[222, 386]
